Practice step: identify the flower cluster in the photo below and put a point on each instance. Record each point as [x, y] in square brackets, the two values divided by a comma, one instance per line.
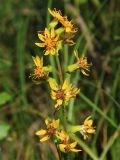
[60, 31]
[52, 126]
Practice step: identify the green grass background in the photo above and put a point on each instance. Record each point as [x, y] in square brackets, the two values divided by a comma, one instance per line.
[23, 105]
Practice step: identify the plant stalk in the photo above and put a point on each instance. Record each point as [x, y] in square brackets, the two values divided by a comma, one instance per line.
[59, 69]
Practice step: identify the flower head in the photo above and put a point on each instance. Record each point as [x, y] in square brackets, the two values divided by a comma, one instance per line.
[50, 41]
[62, 93]
[81, 63]
[40, 71]
[65, 144]
[68, 25]
[56, 14]
[87, 128]
[51, 127]
[62, 136]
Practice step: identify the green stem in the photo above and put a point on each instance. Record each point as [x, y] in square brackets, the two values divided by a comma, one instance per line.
[71, 104]
[66, 58]
[48, 15]
[59, 153]
[65, 156]
[64, 117]
[59, 69]
[61, 81]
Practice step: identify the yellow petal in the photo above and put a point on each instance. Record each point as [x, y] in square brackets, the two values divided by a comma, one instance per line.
[56, 123]
[65, 84]
[47, 120]
[76, 54]
[62, 147]
[41, 37]
[62, 135]
[75, 150]
[47, 33]
[88, 121]
[39, 61]
[72, 145]
[85, 136]
[41, 132]
[53, 84]
[44, 138]
[59, 103]
[47, 52]
[34, 60]
[52, 33]
[91, 130]
[83, 72]
[40, 44]
[53, 95]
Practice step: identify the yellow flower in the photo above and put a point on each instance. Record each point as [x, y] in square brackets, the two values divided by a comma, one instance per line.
[50, 41]
[62, 136]
[40, 71]
[84, 129]
[51, 127]
[81, 63]
[68, 25]
[87, 127]
[56, 14]
[62, 93]
[65, 145]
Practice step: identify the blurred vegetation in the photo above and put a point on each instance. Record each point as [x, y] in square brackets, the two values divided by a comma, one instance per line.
[23, 105]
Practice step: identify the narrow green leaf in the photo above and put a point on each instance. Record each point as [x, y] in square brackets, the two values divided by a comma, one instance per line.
[96, 108]
[110, 144]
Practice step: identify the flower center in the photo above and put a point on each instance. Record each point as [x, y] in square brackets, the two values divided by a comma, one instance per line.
[67, 147]
[38, 71]
[50, 42]
[60, 94]
[84, 129]
[82, 63]
[51, 130]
